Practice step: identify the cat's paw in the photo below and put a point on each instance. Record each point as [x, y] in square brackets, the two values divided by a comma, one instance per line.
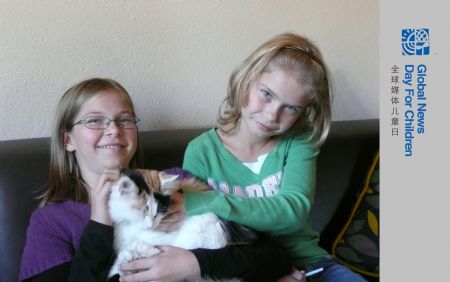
[114, 270]
[142, 249]
[149, 252]
[125, 256]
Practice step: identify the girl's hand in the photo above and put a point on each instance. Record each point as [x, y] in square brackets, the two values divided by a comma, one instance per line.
[100, 195]
[295, 276]
[172, 264]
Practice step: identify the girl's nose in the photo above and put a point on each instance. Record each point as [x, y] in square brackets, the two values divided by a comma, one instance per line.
[113, 128]
[272, 113]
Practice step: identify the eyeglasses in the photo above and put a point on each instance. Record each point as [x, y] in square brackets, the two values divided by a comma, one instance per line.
[99, 122]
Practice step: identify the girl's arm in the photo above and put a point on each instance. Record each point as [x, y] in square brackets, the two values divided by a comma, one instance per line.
[262, 261]
[284, 213]
[54, 274]
[94, 256]
[91, 261]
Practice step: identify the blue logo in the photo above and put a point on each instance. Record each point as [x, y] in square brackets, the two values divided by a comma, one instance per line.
[415, 42]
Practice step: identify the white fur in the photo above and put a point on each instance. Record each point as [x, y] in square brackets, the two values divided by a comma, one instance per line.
[135, 218]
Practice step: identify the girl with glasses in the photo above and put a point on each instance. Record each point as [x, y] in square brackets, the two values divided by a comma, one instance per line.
[70, 236]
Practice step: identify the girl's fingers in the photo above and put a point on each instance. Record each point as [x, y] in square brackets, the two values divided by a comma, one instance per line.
[110, 176]
[106, 179]
[136, 277]
[136, 265]
[99, 197]
[171, 264]
[298, 275]
[295, 276]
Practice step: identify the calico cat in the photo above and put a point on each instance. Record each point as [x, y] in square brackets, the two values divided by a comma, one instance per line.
[138, 211]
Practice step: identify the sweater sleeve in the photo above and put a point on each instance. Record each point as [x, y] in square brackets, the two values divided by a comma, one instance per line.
[262, 261]
[284, 213]
[60, 274]
[95, 255]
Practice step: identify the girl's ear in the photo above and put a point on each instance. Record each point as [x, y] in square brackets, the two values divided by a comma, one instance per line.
[68, 143]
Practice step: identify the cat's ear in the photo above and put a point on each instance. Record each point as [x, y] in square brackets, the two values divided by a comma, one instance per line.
[68, 142]
[167, 182]
[126, 186]
[166, 178]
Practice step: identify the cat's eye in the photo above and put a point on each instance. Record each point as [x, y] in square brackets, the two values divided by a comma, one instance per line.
[125, 184]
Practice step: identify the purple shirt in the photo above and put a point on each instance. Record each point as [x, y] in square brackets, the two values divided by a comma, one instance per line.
[53, 235]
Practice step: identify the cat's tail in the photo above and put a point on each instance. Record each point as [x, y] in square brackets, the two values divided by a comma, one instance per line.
[238, 234]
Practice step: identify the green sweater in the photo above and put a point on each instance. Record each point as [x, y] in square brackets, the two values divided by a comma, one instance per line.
[277, 200]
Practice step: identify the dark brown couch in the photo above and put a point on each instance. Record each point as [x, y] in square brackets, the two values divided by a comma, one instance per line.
[342, 165]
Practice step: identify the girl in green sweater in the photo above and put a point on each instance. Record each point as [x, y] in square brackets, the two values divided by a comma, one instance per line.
[261, 159]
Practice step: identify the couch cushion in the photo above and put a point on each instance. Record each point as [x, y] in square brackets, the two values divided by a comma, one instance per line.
[357, 245]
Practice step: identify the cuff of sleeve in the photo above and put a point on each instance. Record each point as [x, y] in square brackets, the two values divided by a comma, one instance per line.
[100, 228]
[100, 233]
[202, 258]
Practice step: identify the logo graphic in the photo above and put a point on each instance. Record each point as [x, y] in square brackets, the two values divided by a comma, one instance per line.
[415, 42]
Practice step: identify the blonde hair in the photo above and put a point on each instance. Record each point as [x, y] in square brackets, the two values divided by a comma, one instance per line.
[290, 52]
[65, 180]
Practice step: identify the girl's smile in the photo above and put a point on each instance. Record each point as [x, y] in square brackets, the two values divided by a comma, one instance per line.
[112, 147]
[266, 128]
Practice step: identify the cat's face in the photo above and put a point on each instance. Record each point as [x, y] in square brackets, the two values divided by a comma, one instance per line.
[132, 201]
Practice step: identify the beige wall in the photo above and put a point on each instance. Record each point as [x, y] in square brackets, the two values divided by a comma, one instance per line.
[174, 57]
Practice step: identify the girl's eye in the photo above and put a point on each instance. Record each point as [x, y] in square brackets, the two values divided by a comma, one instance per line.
[292, 109]
[126, 120]
[266, 94]
[94, 120]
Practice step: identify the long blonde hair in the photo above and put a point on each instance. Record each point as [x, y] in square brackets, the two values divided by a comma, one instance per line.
[291, 52]
[65, 180]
